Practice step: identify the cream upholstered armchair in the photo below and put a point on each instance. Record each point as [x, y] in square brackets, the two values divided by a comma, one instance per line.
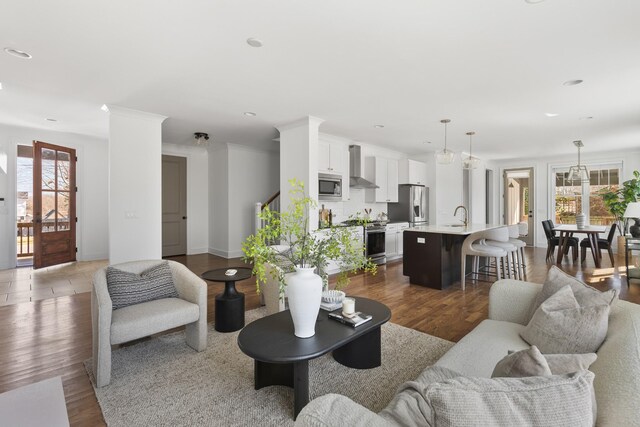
[125, 324]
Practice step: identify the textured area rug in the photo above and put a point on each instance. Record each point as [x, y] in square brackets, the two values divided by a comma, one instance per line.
[163, 382]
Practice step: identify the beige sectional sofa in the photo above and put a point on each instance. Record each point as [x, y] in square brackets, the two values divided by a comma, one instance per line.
[617, 369]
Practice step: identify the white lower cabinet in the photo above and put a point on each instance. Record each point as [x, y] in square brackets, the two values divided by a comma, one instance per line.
[394, 240]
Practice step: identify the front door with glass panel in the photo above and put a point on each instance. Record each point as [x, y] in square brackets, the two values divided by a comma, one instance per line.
[54, 204]
[519, 202]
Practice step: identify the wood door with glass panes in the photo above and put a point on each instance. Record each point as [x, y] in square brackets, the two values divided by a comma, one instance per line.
[54, 204]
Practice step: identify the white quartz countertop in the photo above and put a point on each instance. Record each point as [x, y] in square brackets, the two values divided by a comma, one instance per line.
[453, 228]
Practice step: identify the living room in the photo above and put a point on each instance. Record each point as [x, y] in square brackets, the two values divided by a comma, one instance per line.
[526, 77]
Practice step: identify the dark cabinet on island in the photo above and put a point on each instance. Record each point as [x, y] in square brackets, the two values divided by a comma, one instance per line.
[432, 253]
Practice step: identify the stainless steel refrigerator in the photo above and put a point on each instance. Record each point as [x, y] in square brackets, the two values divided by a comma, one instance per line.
[412, 206]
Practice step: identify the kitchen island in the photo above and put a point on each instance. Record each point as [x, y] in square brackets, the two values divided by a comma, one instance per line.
[432, 253]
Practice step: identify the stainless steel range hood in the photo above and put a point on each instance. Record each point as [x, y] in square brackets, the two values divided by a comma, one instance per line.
[356, 180]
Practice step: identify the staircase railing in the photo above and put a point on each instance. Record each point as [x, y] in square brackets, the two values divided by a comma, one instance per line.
[273, 203]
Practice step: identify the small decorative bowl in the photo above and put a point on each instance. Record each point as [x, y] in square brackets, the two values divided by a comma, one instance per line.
[332, 296]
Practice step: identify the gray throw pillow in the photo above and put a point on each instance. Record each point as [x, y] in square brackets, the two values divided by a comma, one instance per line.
[585, 294]
[567, 363]
[127, 289]
[560, 325]
[524, 363]
[559, 364]
[559, 400]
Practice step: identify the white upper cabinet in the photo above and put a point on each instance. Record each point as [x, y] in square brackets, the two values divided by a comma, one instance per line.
[330, 157]
[412, 172]
[384, 173]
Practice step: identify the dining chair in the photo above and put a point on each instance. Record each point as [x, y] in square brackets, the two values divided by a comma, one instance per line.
[553, 240]
[602, 244]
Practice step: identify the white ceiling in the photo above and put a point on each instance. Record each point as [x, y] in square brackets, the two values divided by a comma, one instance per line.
[493, 66]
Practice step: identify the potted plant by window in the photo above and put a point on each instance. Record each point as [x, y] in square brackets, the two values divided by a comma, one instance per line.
[617, 199]
[309, 253]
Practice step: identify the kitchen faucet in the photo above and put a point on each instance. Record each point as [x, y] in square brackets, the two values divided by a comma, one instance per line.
[466, 214]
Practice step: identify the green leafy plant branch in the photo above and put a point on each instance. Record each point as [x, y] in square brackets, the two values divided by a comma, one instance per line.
[617, 200]
[303, 248]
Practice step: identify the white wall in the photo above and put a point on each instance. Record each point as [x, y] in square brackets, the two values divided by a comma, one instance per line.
[240, 176]
[218, 199]
[254, 176]
[135, 185]
[542, 169]
[91, 179]
[197, 194]
[299, 159]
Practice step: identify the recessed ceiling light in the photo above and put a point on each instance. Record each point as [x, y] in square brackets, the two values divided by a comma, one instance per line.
[533, 1]
[51, 120]
[253, 42]
[378, 126]
[426, 142]
[572, 82]
[17, 53]
[551, 114]
[586, 118]
[249, 113]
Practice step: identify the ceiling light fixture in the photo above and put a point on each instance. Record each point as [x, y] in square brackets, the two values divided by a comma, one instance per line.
[533, 1]
[470, 162]
[51, 120]
[249, 113]
[17, 53]
[201, 138]
[551, 114]
[445, 156]
[578, 172]
[572, 82]
[378, 126]
[253, 42]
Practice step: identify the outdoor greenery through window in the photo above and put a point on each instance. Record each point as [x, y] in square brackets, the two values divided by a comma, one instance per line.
[569, 196]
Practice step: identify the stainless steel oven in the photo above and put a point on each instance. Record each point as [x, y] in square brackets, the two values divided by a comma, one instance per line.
[329, 187]
[374, 242]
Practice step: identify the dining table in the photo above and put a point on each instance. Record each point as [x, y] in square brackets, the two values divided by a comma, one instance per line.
[592, 231]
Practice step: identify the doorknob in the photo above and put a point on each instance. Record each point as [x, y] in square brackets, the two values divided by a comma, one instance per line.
[184, 217]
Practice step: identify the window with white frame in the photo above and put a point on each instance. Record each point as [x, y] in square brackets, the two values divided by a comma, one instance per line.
[569, 197]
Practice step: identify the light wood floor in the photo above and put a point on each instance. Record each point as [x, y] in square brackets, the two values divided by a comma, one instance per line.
[43, 339]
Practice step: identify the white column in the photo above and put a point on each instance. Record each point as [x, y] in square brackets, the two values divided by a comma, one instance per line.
[299, 159]
[135, 185]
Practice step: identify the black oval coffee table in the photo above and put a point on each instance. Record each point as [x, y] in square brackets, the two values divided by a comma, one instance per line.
[229, 316]
[281, 358]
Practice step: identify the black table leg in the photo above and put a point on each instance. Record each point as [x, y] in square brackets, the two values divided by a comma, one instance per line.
[229, 315]
[364, 352]
[295, 375]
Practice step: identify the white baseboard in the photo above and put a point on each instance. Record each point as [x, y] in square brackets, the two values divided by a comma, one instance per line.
[196, 251]
[225, 254]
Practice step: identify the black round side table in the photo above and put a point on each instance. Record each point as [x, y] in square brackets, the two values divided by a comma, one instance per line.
[229, 304]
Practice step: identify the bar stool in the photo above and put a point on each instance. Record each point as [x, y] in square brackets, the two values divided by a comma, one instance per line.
[511, 250]
[473, 246]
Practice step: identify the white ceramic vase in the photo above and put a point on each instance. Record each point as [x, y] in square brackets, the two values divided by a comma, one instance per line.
[304, 290]
[581, 220]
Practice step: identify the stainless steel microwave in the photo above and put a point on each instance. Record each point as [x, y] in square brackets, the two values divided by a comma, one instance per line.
[329, 187]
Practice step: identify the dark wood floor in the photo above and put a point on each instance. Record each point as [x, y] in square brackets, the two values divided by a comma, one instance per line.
[43, 339]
